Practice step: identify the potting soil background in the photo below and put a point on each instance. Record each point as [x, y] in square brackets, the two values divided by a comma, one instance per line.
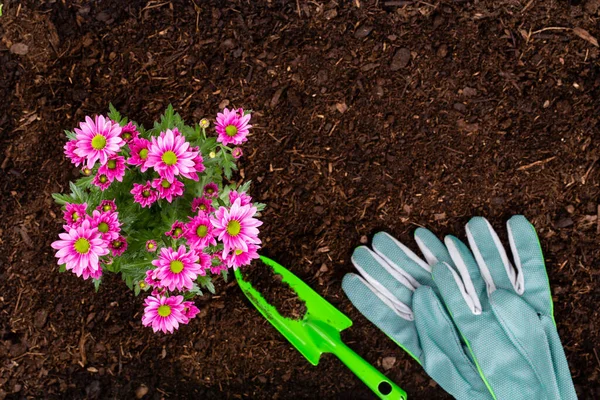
[368, 116]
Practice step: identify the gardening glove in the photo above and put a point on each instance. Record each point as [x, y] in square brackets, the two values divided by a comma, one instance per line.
[396, 292]
[505, 314]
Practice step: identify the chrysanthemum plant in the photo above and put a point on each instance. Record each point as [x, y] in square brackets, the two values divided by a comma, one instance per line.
[158, 207]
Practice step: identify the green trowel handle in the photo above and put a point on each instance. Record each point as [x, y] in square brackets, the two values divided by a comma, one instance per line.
[375, 380]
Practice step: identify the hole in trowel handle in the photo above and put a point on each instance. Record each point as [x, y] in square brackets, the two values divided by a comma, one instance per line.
[384, 388]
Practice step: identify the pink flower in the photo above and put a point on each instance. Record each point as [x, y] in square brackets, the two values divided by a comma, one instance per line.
[239, 257]
[236, 227]
[211, 190]
[80, 249]
[107, 224]
[198, 161]
[217, 264]
[177, 269]
[177, 230]
[86, 171]
[118, 246]
[98, 140]
[170, 156]
[101, 181]
[237, 152]
[164, 313]
[129, 132]
[190, 310]
[139, 153]
[151, 246]
[144, 194]
[244, 198]
[75, 214]
[152, 279]
[204, 260]
[231, 127]
[202, 205]
[107, 206]
[198, 232]
[70, 147]
[167, 190]
[114, 168]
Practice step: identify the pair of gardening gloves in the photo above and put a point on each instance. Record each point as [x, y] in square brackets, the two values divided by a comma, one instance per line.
[481, 326]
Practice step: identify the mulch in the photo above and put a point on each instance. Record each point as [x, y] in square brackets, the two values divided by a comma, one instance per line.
[369, 115]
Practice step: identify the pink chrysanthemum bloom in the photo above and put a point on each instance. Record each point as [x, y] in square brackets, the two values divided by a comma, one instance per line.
[151, 278]
[245, 199]
[190, 310]
[204, 260]
[170, 156]
[129, 132]
[164, 313]
[118, 246]
[114, 168]
[177, 230]
[238, 257]
[139, 153]
[144, 194]
[151, 246]
[167, 190]
[86, 171]
[198, 160]
[101, 181]
[75, 214]
[236, 227]
[237, 152]
[70, 147]
[178, 269]
[107, 224]
[198, 232]
[107, 206]
[231, 127]
[202, 205]
[211, 190]
[98, 139]
[80, 249]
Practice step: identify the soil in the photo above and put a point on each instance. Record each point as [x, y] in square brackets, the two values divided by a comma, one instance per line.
[369, 115]
[276, 292]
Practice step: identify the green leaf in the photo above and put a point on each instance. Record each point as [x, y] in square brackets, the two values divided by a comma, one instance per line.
[114, 114]
[62, 268]
[97, 283]
[62, 199]
[70, 135]
[85, 182]
[137, 288]
[77, 193]
[206, 282]
[259, 206]
[225, 275]
[245, 187]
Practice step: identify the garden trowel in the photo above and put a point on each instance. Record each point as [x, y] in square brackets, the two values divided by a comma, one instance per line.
[318, 331]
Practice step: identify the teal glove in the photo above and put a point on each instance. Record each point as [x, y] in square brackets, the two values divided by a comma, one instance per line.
[506, 316]
[396, 292]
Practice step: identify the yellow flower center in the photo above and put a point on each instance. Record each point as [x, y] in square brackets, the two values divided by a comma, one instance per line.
[116, 244]
[146, 193]
[127, 135]
[82, 245]
[103, 227]
[231, 130]
[103, 179]
[143, 154]
[98, 142]
[107, 207]
[75, 216]
[111, 164]
[165, 183]
[177, 232]
[164, 310]
[176, 266]
[238, 252]
[202, 231]
[234, 227]
[203, 207]
[150, 245]
[169, 158]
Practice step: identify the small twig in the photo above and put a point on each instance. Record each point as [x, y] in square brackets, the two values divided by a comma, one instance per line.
[527, 6]
[536, 163]
[551, 28]
[598, 229]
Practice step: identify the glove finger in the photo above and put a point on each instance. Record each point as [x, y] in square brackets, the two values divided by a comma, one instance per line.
[402, 258]
[444, 356]
[559, 361]
[491, 256]
[383, 314]
[532, 279]
[453, 293]
[468, 269]
[432, 248]
[386, 280]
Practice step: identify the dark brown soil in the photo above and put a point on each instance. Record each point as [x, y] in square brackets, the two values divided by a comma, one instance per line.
[369, 115]
[272, 288]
